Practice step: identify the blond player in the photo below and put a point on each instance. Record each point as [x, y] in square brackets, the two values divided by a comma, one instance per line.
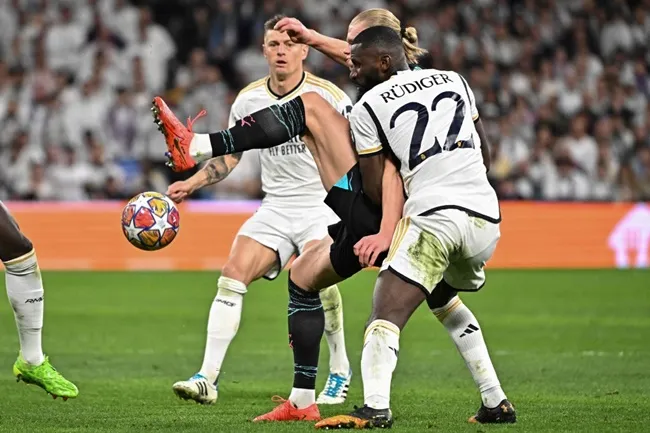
[292, 218]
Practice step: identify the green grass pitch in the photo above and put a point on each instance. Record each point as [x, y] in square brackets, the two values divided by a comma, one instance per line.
[571, 348]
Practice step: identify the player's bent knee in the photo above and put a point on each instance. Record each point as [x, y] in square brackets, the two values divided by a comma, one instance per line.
[313, 103]
[312, 270]
[15, 247]
[235, 271]
[302, 276]
[227, 286]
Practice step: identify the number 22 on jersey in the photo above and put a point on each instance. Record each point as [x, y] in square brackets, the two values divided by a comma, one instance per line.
[416, 153]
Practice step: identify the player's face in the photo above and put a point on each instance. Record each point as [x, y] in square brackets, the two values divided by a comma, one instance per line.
[367, 67]
[283, 55]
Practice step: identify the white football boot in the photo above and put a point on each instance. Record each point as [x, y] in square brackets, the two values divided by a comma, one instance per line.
[336, 389]
[196, 388]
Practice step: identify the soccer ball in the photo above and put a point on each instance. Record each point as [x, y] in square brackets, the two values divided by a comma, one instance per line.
[150, 221]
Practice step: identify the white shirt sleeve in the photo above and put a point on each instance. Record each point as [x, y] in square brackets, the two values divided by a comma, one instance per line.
[345, 106]
[364, 132]
[236, 112]
[337, 99]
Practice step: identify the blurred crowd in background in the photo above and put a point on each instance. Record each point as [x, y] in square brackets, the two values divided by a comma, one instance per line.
[562, 87]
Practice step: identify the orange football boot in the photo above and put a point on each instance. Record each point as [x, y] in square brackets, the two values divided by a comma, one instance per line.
[360, 419]
[286, 411]
[178, 136]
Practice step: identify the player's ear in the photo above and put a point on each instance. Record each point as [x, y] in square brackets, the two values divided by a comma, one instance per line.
[385, 63]
[305, 51]
[264, 50]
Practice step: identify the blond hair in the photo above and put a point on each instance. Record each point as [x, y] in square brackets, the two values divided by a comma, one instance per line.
[384, 17]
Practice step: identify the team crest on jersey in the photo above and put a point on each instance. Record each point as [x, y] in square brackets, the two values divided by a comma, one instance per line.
[247, 121]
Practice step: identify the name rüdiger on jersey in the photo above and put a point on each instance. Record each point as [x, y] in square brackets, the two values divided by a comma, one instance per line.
[414, 86]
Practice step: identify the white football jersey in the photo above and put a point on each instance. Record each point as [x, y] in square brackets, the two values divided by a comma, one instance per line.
[289, 173]
[426, 118]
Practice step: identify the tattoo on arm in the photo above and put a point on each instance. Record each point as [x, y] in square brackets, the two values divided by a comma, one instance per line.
[217, 169]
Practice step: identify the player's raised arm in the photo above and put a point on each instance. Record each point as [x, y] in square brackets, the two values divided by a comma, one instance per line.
[333, 48]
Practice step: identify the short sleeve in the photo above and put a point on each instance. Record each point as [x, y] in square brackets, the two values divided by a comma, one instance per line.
[364, 132]
[336, 97]
[345, 106]
[236, 112]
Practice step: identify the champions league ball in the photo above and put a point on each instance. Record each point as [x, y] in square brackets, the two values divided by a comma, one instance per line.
[150, 221]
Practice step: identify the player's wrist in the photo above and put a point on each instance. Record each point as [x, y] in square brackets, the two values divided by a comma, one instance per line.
[198, 181]
[315, 39]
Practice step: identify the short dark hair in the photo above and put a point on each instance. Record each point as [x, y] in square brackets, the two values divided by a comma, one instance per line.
[271, 22]
[380, 37]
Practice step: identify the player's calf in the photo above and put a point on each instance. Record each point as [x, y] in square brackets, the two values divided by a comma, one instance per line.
[394, 301]
[306, 327]
[466, 333]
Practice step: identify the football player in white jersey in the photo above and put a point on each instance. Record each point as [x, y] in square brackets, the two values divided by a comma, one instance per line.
[327, 135]
[292, 218]
[429, 122]
[365, 229]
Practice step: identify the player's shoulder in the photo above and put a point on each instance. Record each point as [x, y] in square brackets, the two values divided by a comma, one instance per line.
[252, 89]
[324, 87]
[407, 82]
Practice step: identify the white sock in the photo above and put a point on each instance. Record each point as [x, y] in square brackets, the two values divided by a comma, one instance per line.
[223, 323]
[333, 308]
[468, 337]
[378, 361]
[25, 292]
[302, 398]
[201, 148]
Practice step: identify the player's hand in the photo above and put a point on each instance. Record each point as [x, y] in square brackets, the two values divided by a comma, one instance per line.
[370, 247]
[179, 191]
[296, 30]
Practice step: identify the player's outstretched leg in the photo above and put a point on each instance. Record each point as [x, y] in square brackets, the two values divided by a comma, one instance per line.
[249, 260]
[310, 273]
[25, 292]
[465, 331]
[338, 381]
[326, 133]
[265, 128]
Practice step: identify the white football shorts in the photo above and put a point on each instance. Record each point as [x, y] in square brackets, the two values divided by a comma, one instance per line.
[448, 244]
[286, 230]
